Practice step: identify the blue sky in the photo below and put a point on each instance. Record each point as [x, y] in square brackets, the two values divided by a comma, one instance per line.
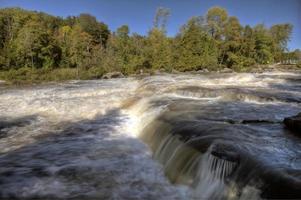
[138, 14]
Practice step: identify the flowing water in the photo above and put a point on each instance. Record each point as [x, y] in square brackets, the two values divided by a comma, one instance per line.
[214, 136]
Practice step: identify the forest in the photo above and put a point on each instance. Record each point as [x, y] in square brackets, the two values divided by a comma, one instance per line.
[35, 46]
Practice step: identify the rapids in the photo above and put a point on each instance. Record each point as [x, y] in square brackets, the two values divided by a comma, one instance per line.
[214, 136]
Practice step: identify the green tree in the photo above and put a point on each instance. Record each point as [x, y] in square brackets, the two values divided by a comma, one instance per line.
[158, 46]
[194, 48]
[3, 31]
[263, 45]
[64, 40]
[41, 41]
[98, 30]
[129, 51]
[248, 45]
[123, 32]
[158, 50]
[80, 49]
[281, 34]
[35, 48]
[216, 18]
[118, 50]
[232, 46]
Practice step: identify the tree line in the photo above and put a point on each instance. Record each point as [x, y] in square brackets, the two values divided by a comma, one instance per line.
[82, 47]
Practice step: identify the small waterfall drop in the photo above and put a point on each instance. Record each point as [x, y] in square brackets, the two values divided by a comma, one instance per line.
[210, 182]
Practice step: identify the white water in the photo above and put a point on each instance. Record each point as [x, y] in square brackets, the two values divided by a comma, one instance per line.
[103, 145]
[213, 172]
[81, 139]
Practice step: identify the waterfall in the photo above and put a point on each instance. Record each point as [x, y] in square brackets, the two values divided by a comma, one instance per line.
[210, 182]
[211, 136]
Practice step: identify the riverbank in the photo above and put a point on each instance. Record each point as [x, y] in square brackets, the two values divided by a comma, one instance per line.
[28, 76]
[35, 76]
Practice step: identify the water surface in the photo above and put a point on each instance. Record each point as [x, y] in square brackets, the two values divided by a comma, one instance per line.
[162, 137]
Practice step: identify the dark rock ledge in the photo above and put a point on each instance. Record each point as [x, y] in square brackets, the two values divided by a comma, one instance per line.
[293, 123]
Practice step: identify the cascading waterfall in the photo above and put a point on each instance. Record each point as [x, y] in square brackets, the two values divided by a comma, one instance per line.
[215, 136]
[211, 178]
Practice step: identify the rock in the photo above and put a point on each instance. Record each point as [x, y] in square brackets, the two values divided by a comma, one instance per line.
[273, 66]
[113, 75]
[225, 152]
[256, 70]
[173, 71]
[226, 70]
[159, 72]
[293, 123]
[203, 71]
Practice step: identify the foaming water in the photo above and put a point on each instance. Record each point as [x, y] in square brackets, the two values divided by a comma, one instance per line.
[74, 141]
[215, 136]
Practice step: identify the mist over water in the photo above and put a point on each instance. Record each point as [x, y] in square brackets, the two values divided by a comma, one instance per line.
[215, 136]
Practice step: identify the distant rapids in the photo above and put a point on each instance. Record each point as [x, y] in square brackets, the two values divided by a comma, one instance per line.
[213, 136]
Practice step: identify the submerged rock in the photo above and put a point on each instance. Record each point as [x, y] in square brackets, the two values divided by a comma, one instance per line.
[113, 75]
[293, 123]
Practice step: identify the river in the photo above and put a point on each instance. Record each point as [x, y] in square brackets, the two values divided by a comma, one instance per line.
[213, 136]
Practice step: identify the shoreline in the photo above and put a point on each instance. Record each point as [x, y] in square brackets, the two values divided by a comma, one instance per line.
[26, 81]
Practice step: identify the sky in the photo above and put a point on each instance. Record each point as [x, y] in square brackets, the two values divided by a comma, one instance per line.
[139, 14]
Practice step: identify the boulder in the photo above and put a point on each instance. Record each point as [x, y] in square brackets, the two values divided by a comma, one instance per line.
[113, 75]
[203, 70]
[293, 123]
[226, 70]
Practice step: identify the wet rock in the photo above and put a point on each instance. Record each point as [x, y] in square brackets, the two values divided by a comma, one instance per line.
[226, 70]
[203, 71]
[113, 75]
[256, 70]
[258, 121]
[281, 184]
[159, 72]
[225, 152]
[173, 71]
[293, 123]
